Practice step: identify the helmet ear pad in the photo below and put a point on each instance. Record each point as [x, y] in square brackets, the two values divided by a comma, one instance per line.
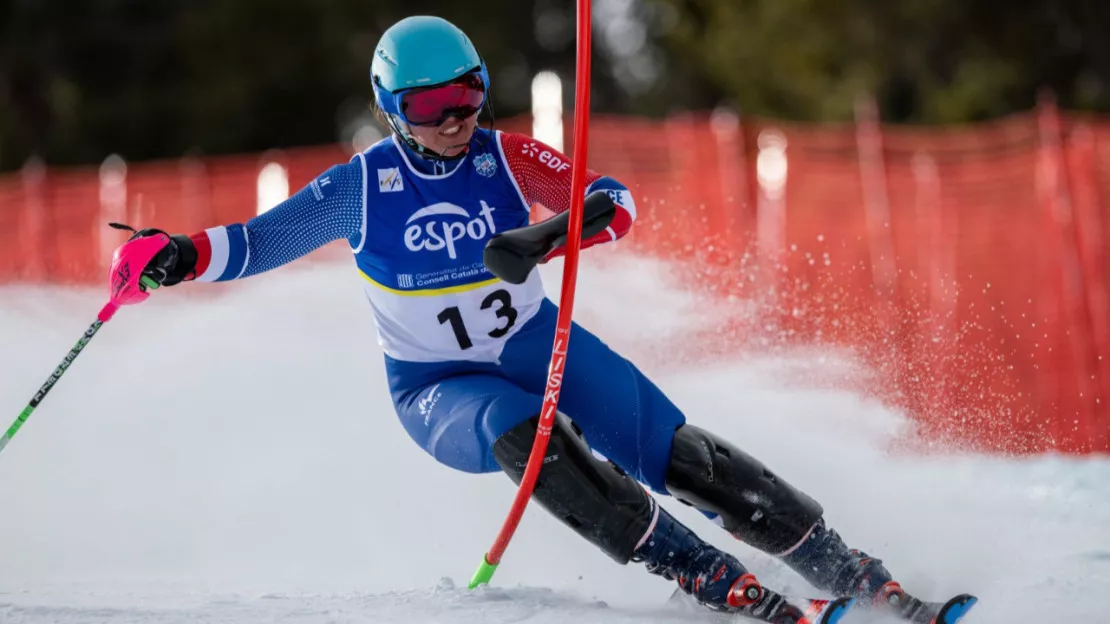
[385, 99]
[387, 104]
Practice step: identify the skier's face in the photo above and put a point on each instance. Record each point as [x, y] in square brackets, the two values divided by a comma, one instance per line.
[450, 138]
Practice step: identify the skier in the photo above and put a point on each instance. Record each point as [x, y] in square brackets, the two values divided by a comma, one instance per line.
[466, 352]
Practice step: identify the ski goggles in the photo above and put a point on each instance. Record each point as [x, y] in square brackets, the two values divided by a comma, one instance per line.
[431, 106]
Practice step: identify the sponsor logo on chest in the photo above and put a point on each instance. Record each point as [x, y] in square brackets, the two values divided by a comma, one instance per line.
[440, 226]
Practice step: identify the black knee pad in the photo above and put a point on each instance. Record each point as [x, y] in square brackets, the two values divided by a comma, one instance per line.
[593, 497]
[754, 504]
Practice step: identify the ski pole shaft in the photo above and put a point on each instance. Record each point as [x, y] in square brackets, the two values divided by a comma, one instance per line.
[105, 315]
[49, 385]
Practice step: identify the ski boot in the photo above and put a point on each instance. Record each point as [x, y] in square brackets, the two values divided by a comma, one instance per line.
[827, 563]
[718, 581]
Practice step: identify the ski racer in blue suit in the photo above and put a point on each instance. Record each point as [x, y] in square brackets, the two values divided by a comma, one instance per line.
[466, 352]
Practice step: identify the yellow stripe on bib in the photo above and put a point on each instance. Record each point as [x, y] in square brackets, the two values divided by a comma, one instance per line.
[428, 292]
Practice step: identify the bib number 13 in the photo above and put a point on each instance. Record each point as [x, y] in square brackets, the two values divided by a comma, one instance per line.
[501, 303]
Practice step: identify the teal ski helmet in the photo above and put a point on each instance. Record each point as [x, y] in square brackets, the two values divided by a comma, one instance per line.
[419, 52]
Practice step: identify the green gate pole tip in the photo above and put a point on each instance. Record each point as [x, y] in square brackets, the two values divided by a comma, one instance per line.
[483, 574]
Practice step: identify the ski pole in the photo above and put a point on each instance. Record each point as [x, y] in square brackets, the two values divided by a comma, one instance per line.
[492, 558]
[128, 286]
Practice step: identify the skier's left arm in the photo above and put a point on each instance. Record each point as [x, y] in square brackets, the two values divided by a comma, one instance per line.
[542, 175]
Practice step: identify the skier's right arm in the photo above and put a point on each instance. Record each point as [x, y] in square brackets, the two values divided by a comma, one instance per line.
[327, 209]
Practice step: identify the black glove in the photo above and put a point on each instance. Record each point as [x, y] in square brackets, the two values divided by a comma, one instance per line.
[512, 255]
[176, 262]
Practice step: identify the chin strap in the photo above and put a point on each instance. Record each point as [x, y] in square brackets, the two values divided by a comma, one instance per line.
[399, 128]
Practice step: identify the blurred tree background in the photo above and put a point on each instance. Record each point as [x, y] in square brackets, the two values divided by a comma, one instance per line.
[159, 78]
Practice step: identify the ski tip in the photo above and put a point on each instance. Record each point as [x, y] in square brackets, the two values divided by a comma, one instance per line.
[955, 609]
[836, 610]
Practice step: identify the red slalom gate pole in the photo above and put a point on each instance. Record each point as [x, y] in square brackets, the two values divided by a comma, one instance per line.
[566, 305]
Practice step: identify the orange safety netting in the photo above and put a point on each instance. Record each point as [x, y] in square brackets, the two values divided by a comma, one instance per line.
[966, 265]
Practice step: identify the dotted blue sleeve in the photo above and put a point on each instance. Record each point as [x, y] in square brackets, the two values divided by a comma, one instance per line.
[325, 210]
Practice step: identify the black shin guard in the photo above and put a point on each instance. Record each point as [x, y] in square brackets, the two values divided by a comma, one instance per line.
[593, 497]
[754, 504]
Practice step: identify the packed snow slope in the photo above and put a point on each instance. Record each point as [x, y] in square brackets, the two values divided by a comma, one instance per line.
[229, 454]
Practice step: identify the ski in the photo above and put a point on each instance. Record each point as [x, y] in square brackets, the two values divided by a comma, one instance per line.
[777, 609]
[774, 608]
[917, 611]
